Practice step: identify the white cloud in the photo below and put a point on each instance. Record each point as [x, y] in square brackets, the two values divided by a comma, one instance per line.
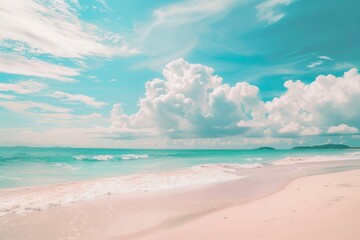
[319, 62]
[174, 29]
[325, 102]
[315, 64]
[77, 97]
[269, 10]
[29, 87]
[23, 106]
[310, 131]
[292, 127]
[5, 96]
[192, 102]
[23, 87]
[326, 58]
[342, 128]
[186, 12]
[16, 64]
[53, 27]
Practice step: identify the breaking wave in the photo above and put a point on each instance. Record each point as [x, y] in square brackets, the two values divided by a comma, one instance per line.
[134, 156]
[111, 157]
[94, 157]
[24, 200]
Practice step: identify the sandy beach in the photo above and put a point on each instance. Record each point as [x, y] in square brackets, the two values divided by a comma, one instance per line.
[315, 207]
[323, 206]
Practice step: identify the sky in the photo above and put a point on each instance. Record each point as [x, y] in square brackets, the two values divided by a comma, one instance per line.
[179, 74]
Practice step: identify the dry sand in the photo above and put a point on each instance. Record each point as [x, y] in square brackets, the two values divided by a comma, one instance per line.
[321, 207]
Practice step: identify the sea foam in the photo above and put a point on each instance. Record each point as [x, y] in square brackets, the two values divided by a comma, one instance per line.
[94, 157]
[318, 158]
[24, 200]
[133, 156]
[110, 157]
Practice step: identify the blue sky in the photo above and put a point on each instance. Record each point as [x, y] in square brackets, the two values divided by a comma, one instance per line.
[179, 74]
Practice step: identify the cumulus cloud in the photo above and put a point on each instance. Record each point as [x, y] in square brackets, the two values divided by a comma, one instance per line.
[269, 10]
[342, 128]
[327, 101]
[193, 102]
[23, 87]
[77, 97]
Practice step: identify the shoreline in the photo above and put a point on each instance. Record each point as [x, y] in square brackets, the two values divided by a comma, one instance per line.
[140, 215]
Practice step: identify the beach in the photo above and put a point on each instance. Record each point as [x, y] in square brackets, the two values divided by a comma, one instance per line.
[316, 200]
[316, 207]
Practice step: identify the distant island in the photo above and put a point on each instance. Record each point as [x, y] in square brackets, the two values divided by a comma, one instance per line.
[325, 146]
[264, 148]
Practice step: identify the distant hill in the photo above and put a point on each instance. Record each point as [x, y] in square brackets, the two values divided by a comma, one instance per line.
[325, 146]
[265, 148]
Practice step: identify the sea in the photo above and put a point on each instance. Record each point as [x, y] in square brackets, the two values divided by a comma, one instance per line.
[31, 166]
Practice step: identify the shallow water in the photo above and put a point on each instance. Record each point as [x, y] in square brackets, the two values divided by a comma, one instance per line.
[24, 167]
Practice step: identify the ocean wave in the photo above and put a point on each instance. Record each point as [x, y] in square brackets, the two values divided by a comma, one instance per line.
[317, 158]
[94, 157]
[39, 198]
[254, 159]
[133, 156]
[65, 165]
[110, 157]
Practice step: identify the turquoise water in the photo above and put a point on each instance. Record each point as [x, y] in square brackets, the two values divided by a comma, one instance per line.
[24, 166]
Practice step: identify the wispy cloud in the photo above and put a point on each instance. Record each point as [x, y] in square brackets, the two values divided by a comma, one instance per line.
[5, 96]
[322, 60]
[23, 87]
[269, 10]
[104, 4]
[186, 12]
[16, 64]
[77, 97]
[174, 29]
[30, 87]
[326, 58]
[22, 106]
[53, 27]
[315, 64]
